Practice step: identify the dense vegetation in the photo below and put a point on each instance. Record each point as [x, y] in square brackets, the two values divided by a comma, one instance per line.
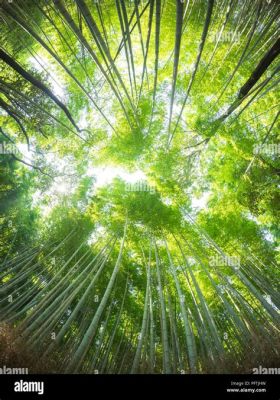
[139, 173]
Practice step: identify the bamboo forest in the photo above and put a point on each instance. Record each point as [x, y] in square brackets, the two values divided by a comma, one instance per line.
[139, 176]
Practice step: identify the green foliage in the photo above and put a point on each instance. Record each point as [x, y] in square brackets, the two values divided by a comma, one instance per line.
[142, 181]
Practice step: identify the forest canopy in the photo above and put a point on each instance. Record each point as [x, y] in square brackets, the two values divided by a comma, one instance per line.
[139, 176]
